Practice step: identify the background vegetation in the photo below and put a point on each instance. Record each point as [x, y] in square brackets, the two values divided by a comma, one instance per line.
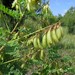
[18, 24]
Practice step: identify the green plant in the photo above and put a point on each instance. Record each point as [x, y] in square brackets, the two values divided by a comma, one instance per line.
[10, 12]
[17, 53]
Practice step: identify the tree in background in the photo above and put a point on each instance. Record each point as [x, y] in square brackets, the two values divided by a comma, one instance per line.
[69, 20]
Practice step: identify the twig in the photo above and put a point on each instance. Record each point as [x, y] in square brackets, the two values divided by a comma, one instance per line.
[26, 36]
[17, 24]
[35, 32]
[27, 56]
[10, 61]
[2, 48]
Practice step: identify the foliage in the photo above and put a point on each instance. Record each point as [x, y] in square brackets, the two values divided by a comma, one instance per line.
[69, 20]
[18, 58]
[12, 13]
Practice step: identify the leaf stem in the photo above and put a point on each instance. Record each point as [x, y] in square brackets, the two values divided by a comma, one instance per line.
[27, 56]
[2, 48]
[26, 36]
[10, 61]
[17, 24]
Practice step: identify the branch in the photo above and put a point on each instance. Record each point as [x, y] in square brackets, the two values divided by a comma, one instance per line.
[2, 48]
[26, 36]
[10, 61]
[27, 56]
[17, 24]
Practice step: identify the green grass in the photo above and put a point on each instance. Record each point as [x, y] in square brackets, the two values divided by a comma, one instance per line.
[67, 49]
[68, 41]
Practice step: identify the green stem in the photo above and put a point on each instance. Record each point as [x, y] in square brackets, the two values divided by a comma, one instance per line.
[16, 59]
[26, 36]
[17, 24]
[2, 48]
[10, 61]
[7, 27]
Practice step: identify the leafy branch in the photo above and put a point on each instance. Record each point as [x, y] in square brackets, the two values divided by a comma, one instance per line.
[28, 56]
[10, 12]
[13, 30]
[42, 29]
[30, 34]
